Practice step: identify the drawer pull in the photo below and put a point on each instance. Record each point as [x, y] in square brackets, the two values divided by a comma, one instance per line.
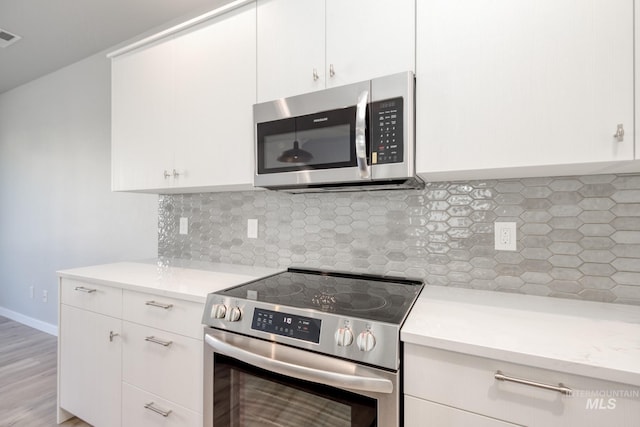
[157, 341]
[83, 289]
[560, 388]
[150, 407]
[159, 304]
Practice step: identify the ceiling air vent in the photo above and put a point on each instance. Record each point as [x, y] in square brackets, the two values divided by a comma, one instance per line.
[6, 38]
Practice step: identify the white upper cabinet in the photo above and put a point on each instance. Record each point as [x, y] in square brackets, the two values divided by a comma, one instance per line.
[307, 45]
[291, 37]
[515, 88]
[369, 38]
[182, 109]
[142, 87]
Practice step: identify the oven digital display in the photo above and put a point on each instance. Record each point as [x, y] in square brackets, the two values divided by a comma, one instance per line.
[288, 325]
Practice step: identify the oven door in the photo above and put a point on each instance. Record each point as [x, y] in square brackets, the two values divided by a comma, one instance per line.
[250, 382]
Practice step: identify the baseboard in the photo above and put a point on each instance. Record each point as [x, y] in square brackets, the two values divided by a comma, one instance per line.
[30, 321]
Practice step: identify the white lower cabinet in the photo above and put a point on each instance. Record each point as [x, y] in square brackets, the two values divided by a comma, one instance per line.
[141, 408]
[419, 412]
[128, 358]
[449, 389]
[89, 366]
[167, 364]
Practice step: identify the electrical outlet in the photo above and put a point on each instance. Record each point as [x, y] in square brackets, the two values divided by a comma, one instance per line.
[184, 225]
[505, 236]
[252, 228]
[45, 296]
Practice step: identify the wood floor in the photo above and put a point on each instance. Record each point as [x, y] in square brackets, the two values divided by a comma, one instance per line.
[28, 360]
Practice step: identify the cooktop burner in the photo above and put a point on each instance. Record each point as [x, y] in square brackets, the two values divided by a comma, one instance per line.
[376, 298]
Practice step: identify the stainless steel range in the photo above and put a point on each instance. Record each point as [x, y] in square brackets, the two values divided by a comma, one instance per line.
[306, 347]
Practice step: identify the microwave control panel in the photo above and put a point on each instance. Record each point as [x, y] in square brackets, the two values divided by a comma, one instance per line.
[386, 131]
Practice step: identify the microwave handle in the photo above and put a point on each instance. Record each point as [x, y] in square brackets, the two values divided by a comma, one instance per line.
[361, 141]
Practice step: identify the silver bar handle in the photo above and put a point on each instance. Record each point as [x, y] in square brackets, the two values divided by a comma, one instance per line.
[332, 70]
[338, 380]
[112, 335]
[83, 289]
[166, 174]
[560, 388]
[150, 407]
[361, 142]
[158, 341]
[158, 304]
[315, 75]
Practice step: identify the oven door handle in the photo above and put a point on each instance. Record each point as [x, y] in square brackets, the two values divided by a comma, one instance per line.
[361, 139]
[334, 379]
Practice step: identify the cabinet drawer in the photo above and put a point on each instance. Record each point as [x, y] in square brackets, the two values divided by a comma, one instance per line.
[467, 382]
[169, 314]
[91, 296]
[416, 411]
[172, 371]
[137, 412]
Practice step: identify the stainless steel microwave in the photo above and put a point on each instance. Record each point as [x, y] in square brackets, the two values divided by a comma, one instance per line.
[356, 136]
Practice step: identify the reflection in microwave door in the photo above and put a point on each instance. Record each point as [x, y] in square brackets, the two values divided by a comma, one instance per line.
[295, 155]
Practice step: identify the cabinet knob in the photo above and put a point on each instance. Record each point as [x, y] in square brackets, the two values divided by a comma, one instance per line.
[619, 135]
[332, 71]
[166, 174]
[315, 75]
[176, 174]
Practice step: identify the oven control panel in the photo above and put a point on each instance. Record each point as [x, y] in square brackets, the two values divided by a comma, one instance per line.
[373, 343]
[288, 325]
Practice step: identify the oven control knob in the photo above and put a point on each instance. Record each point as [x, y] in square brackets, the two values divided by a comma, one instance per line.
[218, 311]
[366, 341]
[234, 314]
[344, 337]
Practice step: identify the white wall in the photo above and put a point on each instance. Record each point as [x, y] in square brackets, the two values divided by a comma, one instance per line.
[56, 207]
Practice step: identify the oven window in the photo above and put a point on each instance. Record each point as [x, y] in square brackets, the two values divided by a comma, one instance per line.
[245, 396]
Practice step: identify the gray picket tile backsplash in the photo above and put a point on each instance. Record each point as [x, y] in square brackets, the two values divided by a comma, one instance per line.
[577, 237]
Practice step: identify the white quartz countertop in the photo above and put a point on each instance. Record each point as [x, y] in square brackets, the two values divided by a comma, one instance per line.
[188, 280]
[597, 340]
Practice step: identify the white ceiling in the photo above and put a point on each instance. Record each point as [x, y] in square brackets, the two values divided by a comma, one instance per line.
[56, 33]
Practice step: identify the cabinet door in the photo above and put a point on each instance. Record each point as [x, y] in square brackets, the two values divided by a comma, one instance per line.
[90, 366]
[505, 84]
[142, 96]
[215, 80]
[369, 38]
[291, 44]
